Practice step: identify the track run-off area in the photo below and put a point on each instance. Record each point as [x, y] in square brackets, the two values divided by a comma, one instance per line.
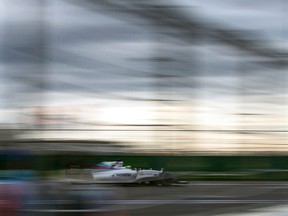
[206, 198]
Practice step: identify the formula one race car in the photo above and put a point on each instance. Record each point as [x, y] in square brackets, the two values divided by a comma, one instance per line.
[115, 172]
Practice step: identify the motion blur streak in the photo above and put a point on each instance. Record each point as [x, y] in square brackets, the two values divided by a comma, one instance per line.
[188, 75]
[197, 88]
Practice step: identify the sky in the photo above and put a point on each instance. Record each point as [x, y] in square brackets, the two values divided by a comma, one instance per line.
[98, 67]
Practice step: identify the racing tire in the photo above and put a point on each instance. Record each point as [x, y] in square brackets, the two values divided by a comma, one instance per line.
[155, 183]
[166, 179]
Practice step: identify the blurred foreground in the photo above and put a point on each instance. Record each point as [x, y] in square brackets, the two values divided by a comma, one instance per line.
[23, 192]
[70, 190]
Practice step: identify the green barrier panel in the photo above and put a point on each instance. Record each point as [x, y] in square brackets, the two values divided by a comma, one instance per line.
[211, 167]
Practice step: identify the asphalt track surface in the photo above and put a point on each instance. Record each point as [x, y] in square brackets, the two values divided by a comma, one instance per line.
[205, 198]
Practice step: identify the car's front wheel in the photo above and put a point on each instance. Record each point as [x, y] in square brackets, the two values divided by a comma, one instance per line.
[166, 179]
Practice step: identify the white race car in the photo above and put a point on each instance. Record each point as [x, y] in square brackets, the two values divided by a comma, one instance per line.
[115, 172]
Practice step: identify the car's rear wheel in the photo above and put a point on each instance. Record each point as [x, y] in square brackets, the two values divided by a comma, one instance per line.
[155, 183]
